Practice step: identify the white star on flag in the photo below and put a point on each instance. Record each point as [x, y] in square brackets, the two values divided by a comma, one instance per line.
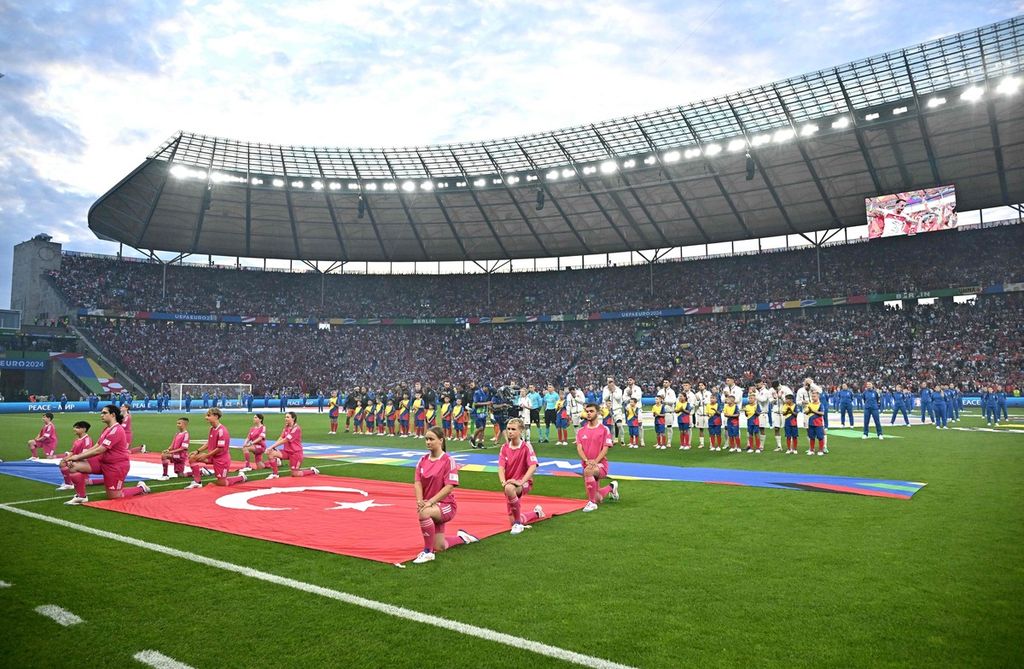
[358, 506]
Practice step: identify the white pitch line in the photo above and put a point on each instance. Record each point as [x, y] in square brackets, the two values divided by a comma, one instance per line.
[4, 584]
[59, 615]
[355, 600]
[158, 660]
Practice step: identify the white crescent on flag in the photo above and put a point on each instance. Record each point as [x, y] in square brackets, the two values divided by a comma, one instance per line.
[240, 500]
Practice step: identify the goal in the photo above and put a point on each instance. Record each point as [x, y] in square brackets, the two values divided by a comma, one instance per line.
[228, 395]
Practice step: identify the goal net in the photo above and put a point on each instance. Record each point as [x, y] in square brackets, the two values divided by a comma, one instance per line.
[227, 395]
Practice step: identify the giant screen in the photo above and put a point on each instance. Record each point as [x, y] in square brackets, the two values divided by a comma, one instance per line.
[926, 210]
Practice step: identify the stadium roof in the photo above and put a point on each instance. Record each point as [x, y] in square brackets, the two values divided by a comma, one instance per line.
[947, 111]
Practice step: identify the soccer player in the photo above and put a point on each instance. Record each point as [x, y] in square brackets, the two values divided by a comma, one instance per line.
[436, 477]
[291, 439]
[684, 418]
[940, 408]
[516, 464]
[216, 453]
[593, 439]
[633, 422]
[177, 452]
[333, 412]
[731, 414]
[110, 458]
[752, 410]
[256, 443]
[658, 411]
[899, 399]
[46, 439]
[82, 442]
[788, 412]
[702, 398]
[780, 392]
[871, 402]
[668, 396]
[815, 424]
[845, 399]
[481, 407]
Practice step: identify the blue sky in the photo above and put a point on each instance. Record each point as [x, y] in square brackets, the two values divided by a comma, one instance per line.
[92, 87]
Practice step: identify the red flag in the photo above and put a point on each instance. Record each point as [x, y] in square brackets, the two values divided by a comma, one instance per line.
[375, 520]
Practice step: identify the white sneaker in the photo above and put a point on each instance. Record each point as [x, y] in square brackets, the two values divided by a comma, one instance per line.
[162, 478]
[145, 488]
[245, 469]
[206, 472]
[65, 486]
[143, 449]
[423, 557]
[76, 500]
[539, 510]
[193, 485]
[314, 470]
[244, 477]
[517, 529]
[810, 452]
[272, 476]
[777, 449]
[881, 437]
[821, 452]
[614, 494]
[466, 537]
[35, 459]
[590, 507]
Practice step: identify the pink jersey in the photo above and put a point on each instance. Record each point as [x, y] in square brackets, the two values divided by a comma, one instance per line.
[113, 439]
[47, 439]
[517, 461]
[219, 439]
[436, 474]
[126, 423]
[84, 443]
[292, 439]
[593, 440]
[180, 442]
[258, 436]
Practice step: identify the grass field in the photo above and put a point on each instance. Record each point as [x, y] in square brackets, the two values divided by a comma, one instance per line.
[673, 575]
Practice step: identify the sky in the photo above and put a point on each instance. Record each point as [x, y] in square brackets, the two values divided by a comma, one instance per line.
[91, 88]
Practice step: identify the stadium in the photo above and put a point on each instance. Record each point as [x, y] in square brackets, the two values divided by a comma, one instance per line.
[829, 261]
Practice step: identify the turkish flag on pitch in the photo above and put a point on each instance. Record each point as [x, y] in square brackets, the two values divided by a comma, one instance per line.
[375, 520]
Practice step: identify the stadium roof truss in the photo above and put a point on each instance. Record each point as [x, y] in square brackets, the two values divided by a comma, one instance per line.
[937, 113]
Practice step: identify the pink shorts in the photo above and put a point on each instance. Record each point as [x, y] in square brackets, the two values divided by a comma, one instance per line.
[113, 474]
[447, 513]
[219, 470]
[602, 469]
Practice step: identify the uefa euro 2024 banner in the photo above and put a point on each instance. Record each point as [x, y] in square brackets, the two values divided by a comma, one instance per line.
[925, 210]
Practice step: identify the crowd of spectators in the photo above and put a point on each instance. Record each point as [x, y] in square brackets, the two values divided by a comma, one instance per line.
[900, 264]
[968, 344]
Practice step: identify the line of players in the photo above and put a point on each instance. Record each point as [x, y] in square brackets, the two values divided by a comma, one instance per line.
[435, 478]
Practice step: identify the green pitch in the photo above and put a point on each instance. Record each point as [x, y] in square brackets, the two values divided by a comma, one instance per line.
[673, 575]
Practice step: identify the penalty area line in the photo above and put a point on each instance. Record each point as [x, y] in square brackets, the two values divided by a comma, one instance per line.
[347, 598]
[158, 660]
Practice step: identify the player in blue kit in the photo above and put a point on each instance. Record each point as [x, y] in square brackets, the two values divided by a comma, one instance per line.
[844, 398]
[871, 403]
[926, 402]
[939, 408]
[899, 404]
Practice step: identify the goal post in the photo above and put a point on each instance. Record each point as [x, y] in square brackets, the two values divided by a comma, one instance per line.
[227, 395]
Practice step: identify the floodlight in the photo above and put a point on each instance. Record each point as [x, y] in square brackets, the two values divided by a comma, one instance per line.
[335, 185]
[353, 186]
[783, 135]
[758, 140]
[973, 94]
[568, 172]
[552, 175]
[691, 153]
[1008, 86]
[408, 186]
[671, 157]
[480, 183]
[935, 102]
[808, 130]
[737, 145]
[317, 185]
[650, 160]
[899, 110]
[609, 167]
[629, 164]
[278, 182]
[512, 180]
[427, 185]
[872, 116]
[841, 123]
[390, 185]
[256, 181]
[179, 171]
[712, 149]
[370, 186]
[298, 184]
